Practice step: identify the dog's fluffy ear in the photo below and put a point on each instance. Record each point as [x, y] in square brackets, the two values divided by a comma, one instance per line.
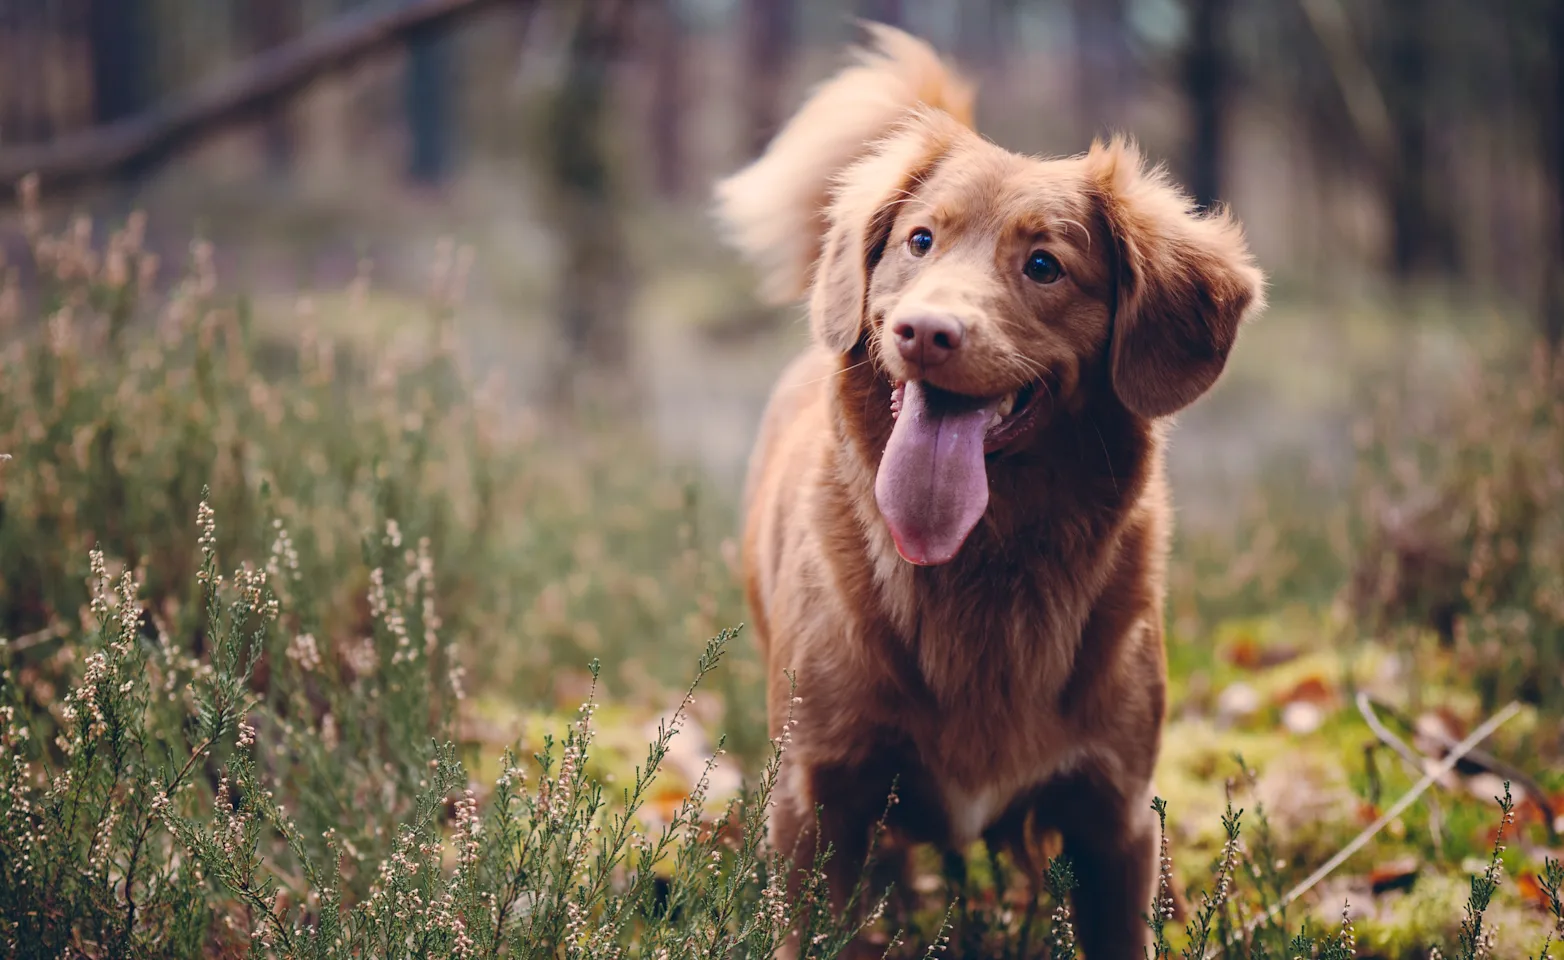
[1185, 282]
[773, 209]
[859, 220]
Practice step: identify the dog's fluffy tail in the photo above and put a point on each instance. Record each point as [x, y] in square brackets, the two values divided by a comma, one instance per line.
[773, 209]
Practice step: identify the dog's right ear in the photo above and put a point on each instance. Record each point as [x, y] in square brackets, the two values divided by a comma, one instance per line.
[774, 209]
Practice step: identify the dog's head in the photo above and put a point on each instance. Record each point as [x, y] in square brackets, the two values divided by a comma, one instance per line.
[989, 288]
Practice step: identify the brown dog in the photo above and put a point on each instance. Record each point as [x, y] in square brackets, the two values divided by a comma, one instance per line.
[956, 519]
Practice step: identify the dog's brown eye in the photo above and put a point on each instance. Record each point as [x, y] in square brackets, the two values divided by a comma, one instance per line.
[920, 241]
[1041, 267]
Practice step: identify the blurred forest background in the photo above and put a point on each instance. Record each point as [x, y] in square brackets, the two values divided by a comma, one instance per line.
[447, 267]
[1381, 154]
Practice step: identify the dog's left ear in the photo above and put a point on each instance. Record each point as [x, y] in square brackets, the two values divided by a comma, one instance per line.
[1185, 282]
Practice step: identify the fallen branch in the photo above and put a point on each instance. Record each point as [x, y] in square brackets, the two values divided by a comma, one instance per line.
[1415, 762]
[1475, 761]
[254, 85]
[1357, 843]
[29, 640]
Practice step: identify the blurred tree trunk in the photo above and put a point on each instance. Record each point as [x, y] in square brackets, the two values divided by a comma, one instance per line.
[119, 38]
[882, 11]
[594, 295]
[24, 111]
[662, 37]
[1552, 128]
[985, 38]
[429, 99]
[1422, 231]
[1101, 63]
[975, 30]
[769, 36]
[1407, 75]
[121, 62]
[1207, 68]
[263, 25]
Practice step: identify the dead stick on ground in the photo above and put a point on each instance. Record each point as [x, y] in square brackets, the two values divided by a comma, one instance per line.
[1481, 759]
[1415, 763]
[1358, 842]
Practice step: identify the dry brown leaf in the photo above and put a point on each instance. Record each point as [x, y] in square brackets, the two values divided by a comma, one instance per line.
[1367, 812]
[1531, 892]
[1312, 689]
[1398, 874]
[1247, 653]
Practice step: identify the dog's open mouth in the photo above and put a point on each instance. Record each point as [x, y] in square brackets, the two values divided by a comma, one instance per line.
[1009, 417]
[932, 486]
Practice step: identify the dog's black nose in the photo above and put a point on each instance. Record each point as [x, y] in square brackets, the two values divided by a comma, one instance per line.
[928, 340]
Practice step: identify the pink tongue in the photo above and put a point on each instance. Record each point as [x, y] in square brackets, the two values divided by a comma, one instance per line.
[932, 486]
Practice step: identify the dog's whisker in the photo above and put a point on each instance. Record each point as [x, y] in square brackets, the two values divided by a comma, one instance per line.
[1106, 456]
[1031, 366]
[834, 373]
[1033, 370]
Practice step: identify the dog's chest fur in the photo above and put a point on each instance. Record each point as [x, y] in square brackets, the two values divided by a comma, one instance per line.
[970, 663]
[993, 728]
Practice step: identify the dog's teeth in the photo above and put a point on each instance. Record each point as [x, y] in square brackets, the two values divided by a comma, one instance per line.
[1006, 405]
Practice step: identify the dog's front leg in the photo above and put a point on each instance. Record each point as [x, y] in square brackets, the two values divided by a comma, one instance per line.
[1114, 856]
[815, 811]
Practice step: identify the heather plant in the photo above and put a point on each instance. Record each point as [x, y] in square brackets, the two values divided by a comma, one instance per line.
[273, 757]
[158, 822]
[127, 386]
[1551, 882]
[154, 824]
[1242, 916]
[1461, 510]
[1475, 942]
[1061, 881]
